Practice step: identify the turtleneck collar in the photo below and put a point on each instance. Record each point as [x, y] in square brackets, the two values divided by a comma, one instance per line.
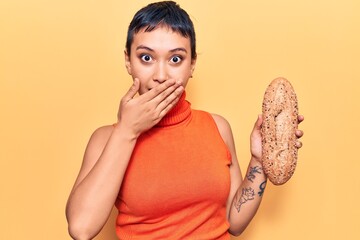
[177, 114]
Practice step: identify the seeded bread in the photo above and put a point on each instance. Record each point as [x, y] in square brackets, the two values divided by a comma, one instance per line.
[280, 121]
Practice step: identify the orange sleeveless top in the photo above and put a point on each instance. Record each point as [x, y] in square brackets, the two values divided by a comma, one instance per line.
[177, 181]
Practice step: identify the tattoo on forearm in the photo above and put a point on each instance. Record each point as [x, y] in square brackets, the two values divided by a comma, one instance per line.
[242, 197]
[262, 188]
[252, 171]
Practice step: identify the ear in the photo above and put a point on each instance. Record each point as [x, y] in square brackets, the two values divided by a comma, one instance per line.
[192, 66]
[127, 62]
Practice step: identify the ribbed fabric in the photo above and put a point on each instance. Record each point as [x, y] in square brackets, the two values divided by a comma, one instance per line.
[177, 181]
[177, 114]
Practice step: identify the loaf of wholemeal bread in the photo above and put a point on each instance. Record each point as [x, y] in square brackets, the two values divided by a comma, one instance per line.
[280, 121]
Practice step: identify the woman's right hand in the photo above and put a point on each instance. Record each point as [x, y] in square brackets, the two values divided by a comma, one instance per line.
[138, 114]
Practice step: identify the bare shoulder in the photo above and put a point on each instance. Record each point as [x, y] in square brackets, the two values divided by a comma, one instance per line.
[227, 136]
[220, 120]
[98, 140]
[96, 145]
[94, 148]
[102, 134]
[223, 126]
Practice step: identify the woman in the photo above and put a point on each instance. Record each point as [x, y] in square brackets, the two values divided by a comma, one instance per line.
[171, 171]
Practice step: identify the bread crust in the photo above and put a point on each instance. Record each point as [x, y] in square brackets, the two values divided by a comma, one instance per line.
[280, 122]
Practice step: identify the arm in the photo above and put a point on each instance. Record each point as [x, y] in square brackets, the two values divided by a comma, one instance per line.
[247, 198]
[107, 156]
[245, 194]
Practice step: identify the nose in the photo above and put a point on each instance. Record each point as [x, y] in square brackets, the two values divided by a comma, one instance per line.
[160, 73]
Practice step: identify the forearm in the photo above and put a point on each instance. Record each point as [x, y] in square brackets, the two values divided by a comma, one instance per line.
[247, 199]
[91, 201]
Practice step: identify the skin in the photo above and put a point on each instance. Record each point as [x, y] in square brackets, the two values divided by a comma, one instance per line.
[160, 65]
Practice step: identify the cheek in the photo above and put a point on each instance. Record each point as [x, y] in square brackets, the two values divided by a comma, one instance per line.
[141, 72]
[184, 82]
[182, 73]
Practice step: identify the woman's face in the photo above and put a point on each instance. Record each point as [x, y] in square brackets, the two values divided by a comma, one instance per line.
[158, 56]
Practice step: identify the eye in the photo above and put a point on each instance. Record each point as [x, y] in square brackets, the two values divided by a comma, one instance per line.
[176, 59]
[146, 58]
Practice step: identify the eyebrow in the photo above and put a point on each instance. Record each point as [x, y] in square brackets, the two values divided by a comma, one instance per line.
[152, 50]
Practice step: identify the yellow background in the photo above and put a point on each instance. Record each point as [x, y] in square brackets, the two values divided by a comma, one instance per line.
[62, 75]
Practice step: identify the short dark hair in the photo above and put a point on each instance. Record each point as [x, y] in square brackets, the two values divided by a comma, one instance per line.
[166, 13]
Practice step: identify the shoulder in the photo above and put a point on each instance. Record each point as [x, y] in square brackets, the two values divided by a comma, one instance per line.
[102, 133]
[99, 139]
[221, 123]
[220, 120]
[95, 146]
[223, 126]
